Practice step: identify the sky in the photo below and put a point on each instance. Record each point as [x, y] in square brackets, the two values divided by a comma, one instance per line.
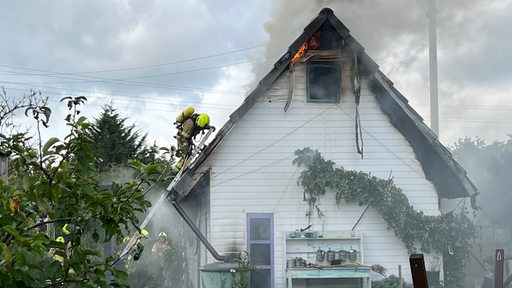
[151, 59]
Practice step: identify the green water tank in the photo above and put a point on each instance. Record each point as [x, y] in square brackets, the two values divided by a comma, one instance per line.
[220, 275]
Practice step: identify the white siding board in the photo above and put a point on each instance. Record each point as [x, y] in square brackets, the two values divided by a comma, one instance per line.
[252, 170]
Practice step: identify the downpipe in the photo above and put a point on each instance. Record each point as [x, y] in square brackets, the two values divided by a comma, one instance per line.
[173, 198]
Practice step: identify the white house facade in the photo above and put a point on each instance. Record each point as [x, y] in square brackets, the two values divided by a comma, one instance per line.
[253, 202]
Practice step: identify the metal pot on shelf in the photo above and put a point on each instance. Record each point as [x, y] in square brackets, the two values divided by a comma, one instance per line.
[343, 255]
[331, 255]
[320, 255]
[352, 255]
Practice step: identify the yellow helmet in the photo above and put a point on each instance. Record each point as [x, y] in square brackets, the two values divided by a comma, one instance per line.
[203, 120]
[162, 234]
[60, 239]
[65, 229]
[144, 232]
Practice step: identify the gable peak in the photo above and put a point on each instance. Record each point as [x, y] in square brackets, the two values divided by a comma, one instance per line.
[326, 11]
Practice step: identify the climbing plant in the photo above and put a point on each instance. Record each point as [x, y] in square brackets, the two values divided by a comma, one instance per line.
[241, 274]
[450, 233]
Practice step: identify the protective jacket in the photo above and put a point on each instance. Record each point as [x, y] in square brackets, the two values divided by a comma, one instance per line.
[187, 130]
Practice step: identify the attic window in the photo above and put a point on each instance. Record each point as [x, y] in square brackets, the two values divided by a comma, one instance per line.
[323, 80]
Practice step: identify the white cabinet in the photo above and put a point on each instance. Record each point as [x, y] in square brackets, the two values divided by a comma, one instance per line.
[321, 255]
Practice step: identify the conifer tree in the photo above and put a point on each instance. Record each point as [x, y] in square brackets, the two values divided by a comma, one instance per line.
[116, 142]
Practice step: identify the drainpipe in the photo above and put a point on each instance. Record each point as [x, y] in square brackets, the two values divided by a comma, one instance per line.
[173, 198]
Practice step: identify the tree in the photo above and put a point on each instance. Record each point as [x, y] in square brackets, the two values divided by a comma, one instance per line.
[57, 179]
[117, 143]
[10, 105]
[489, 167]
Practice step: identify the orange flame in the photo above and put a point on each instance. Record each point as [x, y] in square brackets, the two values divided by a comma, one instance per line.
[312, 43]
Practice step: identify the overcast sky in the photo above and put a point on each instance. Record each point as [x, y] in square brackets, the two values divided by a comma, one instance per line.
[151, 59]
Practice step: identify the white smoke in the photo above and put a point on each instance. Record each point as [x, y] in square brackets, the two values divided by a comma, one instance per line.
[472, 54]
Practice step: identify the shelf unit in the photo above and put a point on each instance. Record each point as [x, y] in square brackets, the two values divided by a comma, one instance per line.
[304, 245]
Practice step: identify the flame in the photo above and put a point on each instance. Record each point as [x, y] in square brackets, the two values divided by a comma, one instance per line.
[312, 43]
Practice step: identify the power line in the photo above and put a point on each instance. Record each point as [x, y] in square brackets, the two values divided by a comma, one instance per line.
[176, 62]
[139, 67]
[125, 81]
[463, 107]
[126, 98]
[171, 87]
[82, 79]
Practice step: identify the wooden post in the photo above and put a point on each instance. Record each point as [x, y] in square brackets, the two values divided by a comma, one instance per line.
[400, 279]
[498, 268]
[419, 275]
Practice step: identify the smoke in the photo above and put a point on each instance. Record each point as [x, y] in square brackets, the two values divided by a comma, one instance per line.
[373, 23]
[471, 44]
[382, 27]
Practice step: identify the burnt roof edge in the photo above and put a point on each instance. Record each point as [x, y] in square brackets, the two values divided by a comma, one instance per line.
[419, 134]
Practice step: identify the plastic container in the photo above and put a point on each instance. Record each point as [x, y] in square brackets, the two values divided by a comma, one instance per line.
[219, 274]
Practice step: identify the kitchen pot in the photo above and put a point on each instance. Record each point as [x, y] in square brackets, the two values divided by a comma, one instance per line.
[343, 255]
[320, 255]
[331, 255]
[352, 255]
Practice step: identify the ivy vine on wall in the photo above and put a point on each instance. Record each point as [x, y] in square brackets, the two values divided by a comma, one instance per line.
[450, 234]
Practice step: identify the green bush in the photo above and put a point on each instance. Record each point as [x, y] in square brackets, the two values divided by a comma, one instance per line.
[390, 282]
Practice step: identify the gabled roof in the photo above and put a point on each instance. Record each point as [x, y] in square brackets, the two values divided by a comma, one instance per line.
[440, 168]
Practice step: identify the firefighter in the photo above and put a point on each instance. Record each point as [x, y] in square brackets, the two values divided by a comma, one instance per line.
[67, 229]
[189, 124]
[162, 244]
[53, 252]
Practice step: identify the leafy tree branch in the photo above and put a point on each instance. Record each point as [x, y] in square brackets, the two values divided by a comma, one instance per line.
[58, 179]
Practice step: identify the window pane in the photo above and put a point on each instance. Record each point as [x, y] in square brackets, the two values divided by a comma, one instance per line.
[260, 254]
[323, 82]
[260, 278]
[260, 229]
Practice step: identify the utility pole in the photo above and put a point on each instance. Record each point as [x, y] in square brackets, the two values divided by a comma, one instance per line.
[432, 43]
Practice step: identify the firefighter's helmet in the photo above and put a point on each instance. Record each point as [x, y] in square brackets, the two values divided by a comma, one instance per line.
[144, 233]
[60, 239]
[65, 229]
[203, 120]
[162, 234]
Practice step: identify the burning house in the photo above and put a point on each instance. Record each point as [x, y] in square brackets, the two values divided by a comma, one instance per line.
[325, 93]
